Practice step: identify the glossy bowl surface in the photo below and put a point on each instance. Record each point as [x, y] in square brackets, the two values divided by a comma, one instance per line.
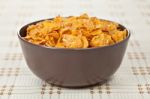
[72, 67]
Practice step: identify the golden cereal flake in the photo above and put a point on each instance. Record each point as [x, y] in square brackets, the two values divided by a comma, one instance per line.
[101, 40]
[71, 41]
[118, 36]
[85, 42]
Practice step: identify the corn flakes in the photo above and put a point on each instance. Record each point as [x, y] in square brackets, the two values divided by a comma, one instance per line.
[75, 32]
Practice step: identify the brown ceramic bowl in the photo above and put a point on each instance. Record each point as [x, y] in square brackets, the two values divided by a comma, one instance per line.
[72, 67]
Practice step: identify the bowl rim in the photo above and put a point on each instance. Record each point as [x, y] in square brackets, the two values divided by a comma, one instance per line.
[55, 48]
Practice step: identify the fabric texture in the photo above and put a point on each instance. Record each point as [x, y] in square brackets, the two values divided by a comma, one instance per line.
[132, 79]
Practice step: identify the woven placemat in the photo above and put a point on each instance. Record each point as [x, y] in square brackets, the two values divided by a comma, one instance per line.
[131, 81]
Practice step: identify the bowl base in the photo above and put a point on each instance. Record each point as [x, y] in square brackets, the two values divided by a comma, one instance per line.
[77, 87]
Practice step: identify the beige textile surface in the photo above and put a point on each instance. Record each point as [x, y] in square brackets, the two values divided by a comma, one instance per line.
[131, 81]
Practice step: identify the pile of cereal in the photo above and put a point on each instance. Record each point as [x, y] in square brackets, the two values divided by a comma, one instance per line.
[75, 32]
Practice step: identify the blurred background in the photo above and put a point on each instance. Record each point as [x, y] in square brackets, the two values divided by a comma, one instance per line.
[132, 80]
[135, 14]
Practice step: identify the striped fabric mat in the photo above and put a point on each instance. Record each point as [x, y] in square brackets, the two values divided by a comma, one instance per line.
[131, 81]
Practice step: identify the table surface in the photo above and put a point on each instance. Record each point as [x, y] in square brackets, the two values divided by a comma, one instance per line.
[131, 81]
